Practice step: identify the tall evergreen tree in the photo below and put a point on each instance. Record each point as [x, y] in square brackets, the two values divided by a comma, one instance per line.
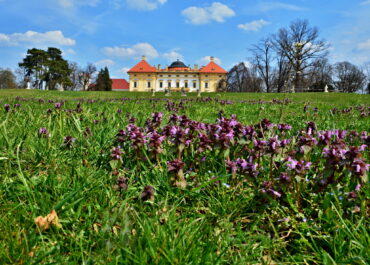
[103, 82]
[47, 67]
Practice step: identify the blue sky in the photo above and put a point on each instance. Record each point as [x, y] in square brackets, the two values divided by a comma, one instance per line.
[116, 33]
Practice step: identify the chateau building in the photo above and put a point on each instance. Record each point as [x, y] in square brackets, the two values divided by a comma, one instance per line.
[176, 77]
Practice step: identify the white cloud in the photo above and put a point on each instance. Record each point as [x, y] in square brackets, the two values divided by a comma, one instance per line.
[365, 3]
[69, 51]
[246, 63]
[5, 39]
[120, 73]
[105, 62]
[267, 6]
[364, 45]
[124, 70]
[203, 15]
[173, 56]
[31, 37]
[73, 3]
[145, 5]
[206, 59]
[255, 25]
[135, 51]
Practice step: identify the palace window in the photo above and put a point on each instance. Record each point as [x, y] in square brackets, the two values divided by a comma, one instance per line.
[169, 84]
[177, 84]
[135, 84]
[194, 85]
[149, 84]
[186, 84]
[206, 85]
[160, 84]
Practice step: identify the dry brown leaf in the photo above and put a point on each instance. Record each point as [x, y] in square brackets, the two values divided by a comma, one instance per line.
[44, 223]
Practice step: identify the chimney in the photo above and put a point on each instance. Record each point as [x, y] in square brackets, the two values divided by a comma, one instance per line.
[143, 58]
[166, 67]
[195, 67]
[159, 67]
[212, 58]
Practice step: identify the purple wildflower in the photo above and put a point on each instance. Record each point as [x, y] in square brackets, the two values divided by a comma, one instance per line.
[122, 184]
[147, 194]
[284, 177]
[284, 127]
[231, 166]
[43, 132]
[155, 141]
[7, 107]
[58, 105]
[175, 165]
[359, 167]
[116, 153]
[298, 166]
[68, 141]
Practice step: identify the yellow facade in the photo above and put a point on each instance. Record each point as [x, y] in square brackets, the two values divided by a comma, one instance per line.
[176, 77]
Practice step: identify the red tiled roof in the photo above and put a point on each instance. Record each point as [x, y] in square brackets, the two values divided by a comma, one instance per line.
[142, 67]
[120, 84]
[212, 67]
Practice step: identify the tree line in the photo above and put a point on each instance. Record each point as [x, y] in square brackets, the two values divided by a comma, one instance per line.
[47, 69]
[295, 59]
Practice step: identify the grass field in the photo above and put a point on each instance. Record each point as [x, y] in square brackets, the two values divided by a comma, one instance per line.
[136, 179]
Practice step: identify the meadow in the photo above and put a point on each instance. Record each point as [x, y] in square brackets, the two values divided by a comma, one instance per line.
[227, 178]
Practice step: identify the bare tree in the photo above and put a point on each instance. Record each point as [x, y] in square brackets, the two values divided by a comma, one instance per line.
[319, 74]
[300, 43]
[366, 68]
[348, 77]
[236, 78]
[86, 76]
[22, 78]
[222, 85]
[281, 73]
[74, 76]
[244, 79]
[262, 57]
